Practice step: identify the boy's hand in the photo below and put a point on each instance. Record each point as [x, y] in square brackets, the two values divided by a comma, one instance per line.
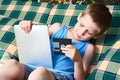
[72, 52]
[26, 26]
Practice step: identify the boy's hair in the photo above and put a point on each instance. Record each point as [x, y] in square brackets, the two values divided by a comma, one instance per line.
[100, 15]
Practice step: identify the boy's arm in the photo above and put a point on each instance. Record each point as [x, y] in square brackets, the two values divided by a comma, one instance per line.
[81, 67]
[53, 28]
[27, 26]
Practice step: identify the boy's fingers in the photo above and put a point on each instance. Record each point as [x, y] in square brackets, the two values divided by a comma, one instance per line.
[29, 26]
[64, 49]
[20, 24]
[26, 26]
[69, 46]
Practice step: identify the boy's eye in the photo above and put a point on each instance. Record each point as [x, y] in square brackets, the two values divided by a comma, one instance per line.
[90, 33]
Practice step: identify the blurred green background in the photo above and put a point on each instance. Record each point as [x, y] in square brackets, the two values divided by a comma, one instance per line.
[108, 2]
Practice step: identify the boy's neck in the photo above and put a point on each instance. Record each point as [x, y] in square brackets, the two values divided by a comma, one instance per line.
[70, 35]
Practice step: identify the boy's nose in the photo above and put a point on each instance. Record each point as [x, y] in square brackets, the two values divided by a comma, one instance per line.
[82, 32]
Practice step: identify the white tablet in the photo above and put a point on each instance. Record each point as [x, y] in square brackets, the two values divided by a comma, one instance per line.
[34, 47]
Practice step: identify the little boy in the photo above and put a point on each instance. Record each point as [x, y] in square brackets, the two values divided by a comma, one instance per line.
[74, 65]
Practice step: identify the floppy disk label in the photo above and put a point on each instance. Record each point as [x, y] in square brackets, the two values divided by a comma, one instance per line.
[58, 43]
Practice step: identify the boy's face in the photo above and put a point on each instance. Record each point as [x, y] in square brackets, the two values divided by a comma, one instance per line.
[85, 28]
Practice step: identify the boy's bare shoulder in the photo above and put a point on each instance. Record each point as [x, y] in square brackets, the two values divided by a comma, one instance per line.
[91, 47]
[90, 50]
[54, 27]
[57, 25]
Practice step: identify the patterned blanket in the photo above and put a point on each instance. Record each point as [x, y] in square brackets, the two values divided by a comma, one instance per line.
[107, 47]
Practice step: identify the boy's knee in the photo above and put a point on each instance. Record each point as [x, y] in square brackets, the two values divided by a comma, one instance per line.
[13, 64]
[11, 61]
[39, 73]
[41, 70]
[12, 69]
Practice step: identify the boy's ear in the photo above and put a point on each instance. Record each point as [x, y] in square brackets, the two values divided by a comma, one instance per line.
[98, 36]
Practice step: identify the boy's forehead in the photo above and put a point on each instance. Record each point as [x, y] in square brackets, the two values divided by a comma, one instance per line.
[87, 21]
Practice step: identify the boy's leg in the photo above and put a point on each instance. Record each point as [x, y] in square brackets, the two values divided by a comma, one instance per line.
[41, 73]
[12, 70]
